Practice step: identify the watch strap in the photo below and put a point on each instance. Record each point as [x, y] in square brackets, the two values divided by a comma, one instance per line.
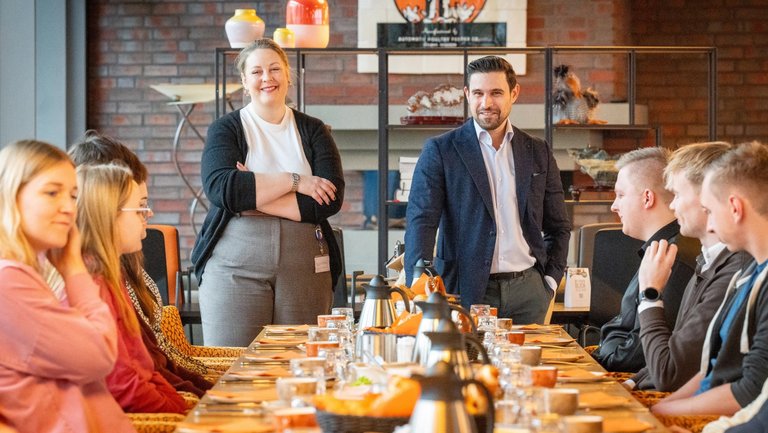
[295, 185]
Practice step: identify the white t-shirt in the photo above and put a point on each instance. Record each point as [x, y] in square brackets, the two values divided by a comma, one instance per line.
[273, 148]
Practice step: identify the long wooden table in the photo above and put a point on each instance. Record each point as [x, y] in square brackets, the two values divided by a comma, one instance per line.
[209, 411]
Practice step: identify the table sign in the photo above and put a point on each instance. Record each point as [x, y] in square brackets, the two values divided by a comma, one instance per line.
[577, 288]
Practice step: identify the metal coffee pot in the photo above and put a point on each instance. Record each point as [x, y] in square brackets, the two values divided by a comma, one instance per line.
[436, 317]
[378, 307]
[441, 407]
[450, 347]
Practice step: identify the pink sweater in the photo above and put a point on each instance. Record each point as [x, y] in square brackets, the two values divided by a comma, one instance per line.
[54, 357]
[134, 382]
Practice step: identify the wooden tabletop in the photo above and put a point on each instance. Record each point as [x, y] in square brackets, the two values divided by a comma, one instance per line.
[216, 414]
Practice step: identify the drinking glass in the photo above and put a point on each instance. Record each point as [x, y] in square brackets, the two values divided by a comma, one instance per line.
[486, 323]
[348, 312]
[297, 391]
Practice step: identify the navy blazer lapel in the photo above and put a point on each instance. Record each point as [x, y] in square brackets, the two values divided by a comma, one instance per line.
[468, 148]
[521, 155]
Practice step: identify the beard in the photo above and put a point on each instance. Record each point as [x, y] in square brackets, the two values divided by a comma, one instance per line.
[490, 120]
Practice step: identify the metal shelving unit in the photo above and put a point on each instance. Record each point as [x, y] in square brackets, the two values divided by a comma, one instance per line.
[384, 127]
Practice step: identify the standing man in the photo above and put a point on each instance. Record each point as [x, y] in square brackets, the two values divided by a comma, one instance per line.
[495, 193]
[642, 203]
[670, 353]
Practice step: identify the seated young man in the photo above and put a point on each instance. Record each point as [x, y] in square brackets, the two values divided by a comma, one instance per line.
[642, 203]
[734, 362]
[672, 354]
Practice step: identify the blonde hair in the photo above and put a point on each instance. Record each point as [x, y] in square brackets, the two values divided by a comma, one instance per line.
[692, 160]
[264, 43]
[744, 167]
[20, 162]
[648, 171]
[104, 190]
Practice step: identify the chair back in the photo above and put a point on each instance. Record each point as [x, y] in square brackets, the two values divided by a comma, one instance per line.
[614, 262]
[340, 298]
[162, 261]
[586, 248]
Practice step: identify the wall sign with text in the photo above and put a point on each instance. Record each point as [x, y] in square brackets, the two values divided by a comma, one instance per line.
[439, 24]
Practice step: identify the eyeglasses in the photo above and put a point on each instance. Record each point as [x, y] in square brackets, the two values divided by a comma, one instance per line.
[145, 212]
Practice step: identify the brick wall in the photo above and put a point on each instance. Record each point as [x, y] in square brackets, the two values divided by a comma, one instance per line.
[133, 44]
[739, 30]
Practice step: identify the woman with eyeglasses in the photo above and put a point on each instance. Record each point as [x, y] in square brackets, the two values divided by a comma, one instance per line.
[266, 252]
[183, 372]
[54, 355]
[111, 220]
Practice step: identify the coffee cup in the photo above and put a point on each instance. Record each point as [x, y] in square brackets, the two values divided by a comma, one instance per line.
[322, 319]
[300, 417]
[504, 323]
[516, 337]
[561, 401]
[544, 376]
[582, 424]
[530, 355]
[313, 347]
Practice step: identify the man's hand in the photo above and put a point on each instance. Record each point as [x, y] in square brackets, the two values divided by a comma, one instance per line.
[656, 266]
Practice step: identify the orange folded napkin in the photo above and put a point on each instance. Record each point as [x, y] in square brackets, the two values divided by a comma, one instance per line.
[425, 285]
[601, 399]
[578, 373]
[625, 425]
[405, 324]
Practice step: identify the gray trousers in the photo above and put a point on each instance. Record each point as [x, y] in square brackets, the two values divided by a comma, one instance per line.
[262, 271]
[524, 297]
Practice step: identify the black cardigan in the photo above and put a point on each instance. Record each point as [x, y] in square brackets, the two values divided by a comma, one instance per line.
[232, 191]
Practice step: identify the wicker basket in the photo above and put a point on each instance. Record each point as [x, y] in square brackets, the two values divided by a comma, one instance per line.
[335, 423]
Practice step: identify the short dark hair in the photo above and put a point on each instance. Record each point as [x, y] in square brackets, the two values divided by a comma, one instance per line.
[96, 148]
[488, 64]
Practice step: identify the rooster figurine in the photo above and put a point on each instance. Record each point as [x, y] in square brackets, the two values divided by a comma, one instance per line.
[571, 105]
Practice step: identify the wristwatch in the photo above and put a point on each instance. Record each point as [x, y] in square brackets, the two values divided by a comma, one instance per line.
[295, 178]
[650, 294]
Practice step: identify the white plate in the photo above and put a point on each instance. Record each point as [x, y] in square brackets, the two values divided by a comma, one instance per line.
[249, 396]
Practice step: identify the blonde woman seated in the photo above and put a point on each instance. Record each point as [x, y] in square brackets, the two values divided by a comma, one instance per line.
[112, 224]
[55, 354]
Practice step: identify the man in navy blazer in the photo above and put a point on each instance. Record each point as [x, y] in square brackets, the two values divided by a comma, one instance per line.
[495, 194]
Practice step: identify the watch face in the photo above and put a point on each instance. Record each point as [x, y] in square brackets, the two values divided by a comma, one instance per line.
[650, 294]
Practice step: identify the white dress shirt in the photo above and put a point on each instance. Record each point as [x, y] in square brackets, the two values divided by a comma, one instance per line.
[511, 252]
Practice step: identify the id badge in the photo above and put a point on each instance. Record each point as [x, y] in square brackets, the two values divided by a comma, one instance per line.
[322, 263]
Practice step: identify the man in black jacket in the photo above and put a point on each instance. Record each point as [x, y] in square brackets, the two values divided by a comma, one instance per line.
[734, 363]
[642, 203]
[671, 354]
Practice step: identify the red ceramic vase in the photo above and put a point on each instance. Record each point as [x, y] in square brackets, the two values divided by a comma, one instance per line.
[309, 21]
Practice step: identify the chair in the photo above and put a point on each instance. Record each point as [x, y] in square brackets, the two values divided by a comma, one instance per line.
[340, 297]
[614, 262]
[586, 248]
[214, 357]
[163, 263]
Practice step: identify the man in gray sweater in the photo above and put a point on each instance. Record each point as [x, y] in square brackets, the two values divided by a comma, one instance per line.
[734, 364]
[672, 354]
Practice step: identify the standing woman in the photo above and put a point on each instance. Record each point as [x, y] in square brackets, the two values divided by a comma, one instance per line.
[266, 253]
[54, 354]
[113, 222]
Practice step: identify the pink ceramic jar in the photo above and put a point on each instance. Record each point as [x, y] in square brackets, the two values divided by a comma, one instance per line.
[309, 21]
[243, 28]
